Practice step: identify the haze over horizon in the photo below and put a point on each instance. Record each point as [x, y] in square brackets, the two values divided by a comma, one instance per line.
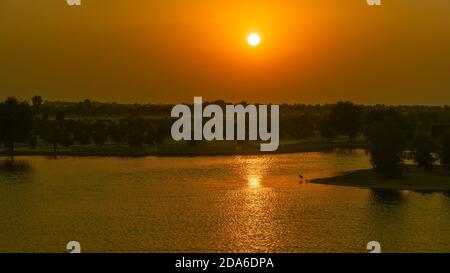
[168, 52]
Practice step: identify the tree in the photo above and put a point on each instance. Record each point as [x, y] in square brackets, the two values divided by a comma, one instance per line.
[135, 138]
[99, 133]
[64, 136]
[37, 102]
[16, 122]
[150, 136]
[326, 129]
[345, 118]
[80, 131]
[423, 148]
[83, 136]
[444, 150]
[115, 132]
[55, 132]
[302, 127]
[387, 133]
[135, 129]
[161, 132]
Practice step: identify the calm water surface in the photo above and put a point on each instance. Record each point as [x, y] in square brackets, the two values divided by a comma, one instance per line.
[210, 204]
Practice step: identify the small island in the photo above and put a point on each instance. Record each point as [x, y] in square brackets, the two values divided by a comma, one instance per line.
[413, 178]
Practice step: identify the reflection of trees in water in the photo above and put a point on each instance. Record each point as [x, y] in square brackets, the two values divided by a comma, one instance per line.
[386, 196]
[424, 192]
[15, 167]
[395, 196]
[342, 151]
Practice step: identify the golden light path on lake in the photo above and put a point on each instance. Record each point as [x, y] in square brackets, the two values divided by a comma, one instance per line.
[210, 204]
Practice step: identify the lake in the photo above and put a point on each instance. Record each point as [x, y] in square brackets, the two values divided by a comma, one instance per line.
[210, 204]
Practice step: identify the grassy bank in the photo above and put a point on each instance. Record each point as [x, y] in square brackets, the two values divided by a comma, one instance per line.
[182, 149]
[415, 179]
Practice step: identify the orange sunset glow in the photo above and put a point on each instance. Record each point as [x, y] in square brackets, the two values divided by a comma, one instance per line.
[217, 135]
[170, 51]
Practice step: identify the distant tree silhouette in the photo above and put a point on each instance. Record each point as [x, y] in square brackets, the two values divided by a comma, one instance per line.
[115, 132]
[135, 139]
[16, 123]
[149, 137]
[99, 133]
[326, 128]
[37, 102]
[84, 137]
[387, 133]
[55, 132]
[423, 149]
[64, 132]
[87, 104]
[444, 150]
[139, 124]
[135, 129]
[299, 126]
[162, 131]
[80, 131]
[346, 119]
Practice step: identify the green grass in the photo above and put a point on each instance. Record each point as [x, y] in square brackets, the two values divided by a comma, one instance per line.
[437, 179]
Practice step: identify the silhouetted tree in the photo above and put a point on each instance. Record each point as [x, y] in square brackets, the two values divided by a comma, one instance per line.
[115, 132]
[55, 132]
[162, 131]
[346, 119]
[87, 104]
[80, 131]
[16, 123]
[423, 149]
[150, 136]
[135, 139]
[83, 137]
[387, 133]
[37, 103]
[326, 128]
[64, 132]
[301, 127]
[99, 133]
[135, 129]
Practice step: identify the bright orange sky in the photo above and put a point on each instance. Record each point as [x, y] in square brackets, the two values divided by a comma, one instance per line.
[170, 51]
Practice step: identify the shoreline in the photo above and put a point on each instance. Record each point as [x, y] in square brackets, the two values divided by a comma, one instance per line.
[436, 180]
[177, 150]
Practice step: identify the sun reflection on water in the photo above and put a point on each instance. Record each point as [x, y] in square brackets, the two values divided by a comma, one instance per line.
[254, 181]
[253, 211]
[253, 170]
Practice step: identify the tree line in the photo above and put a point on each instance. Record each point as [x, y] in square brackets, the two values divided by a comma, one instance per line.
[22, 123]
[393, 133]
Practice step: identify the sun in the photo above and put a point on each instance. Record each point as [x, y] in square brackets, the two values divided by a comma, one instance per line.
[253, 39]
